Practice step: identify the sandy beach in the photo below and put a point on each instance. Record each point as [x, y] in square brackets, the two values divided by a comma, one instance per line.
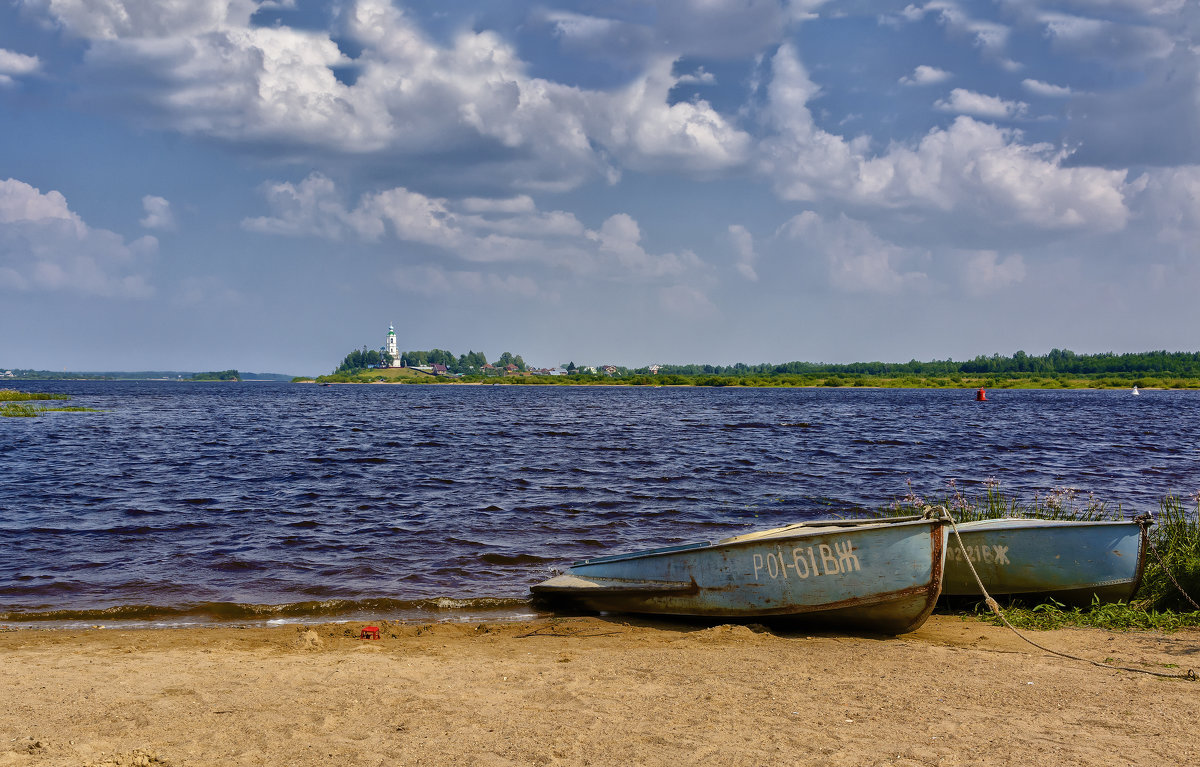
[592, 691]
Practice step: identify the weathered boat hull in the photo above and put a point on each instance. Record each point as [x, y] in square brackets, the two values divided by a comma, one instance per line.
[882, 577]
[1069, 561]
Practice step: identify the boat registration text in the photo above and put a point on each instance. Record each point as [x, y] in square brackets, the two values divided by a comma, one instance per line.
[805, 561]
[992, 555]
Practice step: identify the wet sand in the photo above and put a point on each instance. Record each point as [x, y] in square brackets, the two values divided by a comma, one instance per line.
[593, 691]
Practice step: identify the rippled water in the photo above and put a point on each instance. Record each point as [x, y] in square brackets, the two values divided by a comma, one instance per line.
[257, 500]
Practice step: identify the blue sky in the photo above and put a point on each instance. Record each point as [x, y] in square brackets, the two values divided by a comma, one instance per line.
[205, 184]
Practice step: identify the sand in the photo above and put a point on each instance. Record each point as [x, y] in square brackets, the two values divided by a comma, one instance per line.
[592, 691]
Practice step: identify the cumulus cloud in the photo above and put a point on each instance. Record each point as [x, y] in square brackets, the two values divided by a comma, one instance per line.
[962, 101]
[158, 213]
[1045, 89]
[1106, 41]
[711, 28]
[973, 170]
[113, 19]
[202, 68]
[619, 241]
[926, 75]
[45, 246]
[699, 77]
[988, 36]
[14, 65]
[475, 229]
[858, 260]
[744, 255]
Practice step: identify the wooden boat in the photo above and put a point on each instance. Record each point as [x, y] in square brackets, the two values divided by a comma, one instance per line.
[1073, 562]
[882, 576]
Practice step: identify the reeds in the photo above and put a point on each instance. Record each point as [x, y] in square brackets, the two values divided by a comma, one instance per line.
[12, 395]
[11, 404]
[1175, 549]
[1176, 539]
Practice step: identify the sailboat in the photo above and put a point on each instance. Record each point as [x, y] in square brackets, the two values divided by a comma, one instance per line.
[1135, 391]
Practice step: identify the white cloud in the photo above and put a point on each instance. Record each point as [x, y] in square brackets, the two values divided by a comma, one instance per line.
[743, 247]
[45, 246]
[113, 19]
[1046, 89]
[699, 77]
[1106, 41]
[963, 101]
[858, 260]
[158, 213]
[985, 272]
[926, 75]
[519, 204]
[510, 232]
[969, 172]
[619, 241]
[988, 36]
[203, 69]
[14, 65]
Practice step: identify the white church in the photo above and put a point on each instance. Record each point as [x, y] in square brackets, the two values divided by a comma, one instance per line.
[389, 346]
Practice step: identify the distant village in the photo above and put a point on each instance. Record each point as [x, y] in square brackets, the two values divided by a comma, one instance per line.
[389, 356]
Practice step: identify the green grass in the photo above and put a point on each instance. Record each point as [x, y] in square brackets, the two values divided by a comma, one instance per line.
[11, 395]
[1157, 605]
[17, 410]
[1176, 537]
[1116, 616]
[11, 404]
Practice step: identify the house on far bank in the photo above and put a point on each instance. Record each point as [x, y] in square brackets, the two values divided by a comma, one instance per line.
[654, 369]
[609, 369]
[439, 370]
[7, 374]
[511, 369]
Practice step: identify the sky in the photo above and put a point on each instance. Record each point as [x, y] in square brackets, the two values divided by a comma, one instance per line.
[268, 184]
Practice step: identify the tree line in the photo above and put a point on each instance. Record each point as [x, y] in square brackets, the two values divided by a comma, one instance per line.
[472, 362]
[1058, 361]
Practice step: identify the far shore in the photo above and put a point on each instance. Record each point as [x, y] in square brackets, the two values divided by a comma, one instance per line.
[965, 388]
[593, 691]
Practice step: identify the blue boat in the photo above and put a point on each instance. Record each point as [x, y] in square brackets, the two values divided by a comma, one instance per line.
[875, 575]
[1073, 562]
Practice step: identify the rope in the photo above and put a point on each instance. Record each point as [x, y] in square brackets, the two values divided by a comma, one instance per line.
[1145, 520]
[995, 608]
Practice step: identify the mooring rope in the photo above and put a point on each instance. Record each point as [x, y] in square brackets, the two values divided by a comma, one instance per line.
[995, 608]
[1145, 520]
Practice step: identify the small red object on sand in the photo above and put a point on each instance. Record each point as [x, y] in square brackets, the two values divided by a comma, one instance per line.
[369, 632]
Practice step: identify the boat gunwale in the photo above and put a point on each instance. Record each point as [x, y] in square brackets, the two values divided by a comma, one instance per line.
[802, 533]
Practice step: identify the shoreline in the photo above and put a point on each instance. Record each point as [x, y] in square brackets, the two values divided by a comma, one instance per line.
[593, 690]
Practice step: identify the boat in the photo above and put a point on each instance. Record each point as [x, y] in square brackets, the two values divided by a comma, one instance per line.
[1073, 562]
[881, 576]
[1135, 391]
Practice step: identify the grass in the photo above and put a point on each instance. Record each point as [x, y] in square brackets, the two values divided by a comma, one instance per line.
[12, 395]
[17, 410]
[11, 404]
[1115, 616]
[1158, 605]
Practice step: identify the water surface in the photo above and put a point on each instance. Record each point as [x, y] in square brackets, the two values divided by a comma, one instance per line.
[189, 501]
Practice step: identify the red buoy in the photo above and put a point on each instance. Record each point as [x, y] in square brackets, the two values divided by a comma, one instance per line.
[980, 396]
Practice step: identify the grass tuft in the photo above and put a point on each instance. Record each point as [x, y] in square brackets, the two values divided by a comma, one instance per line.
[1115, 616]
[12, 395]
